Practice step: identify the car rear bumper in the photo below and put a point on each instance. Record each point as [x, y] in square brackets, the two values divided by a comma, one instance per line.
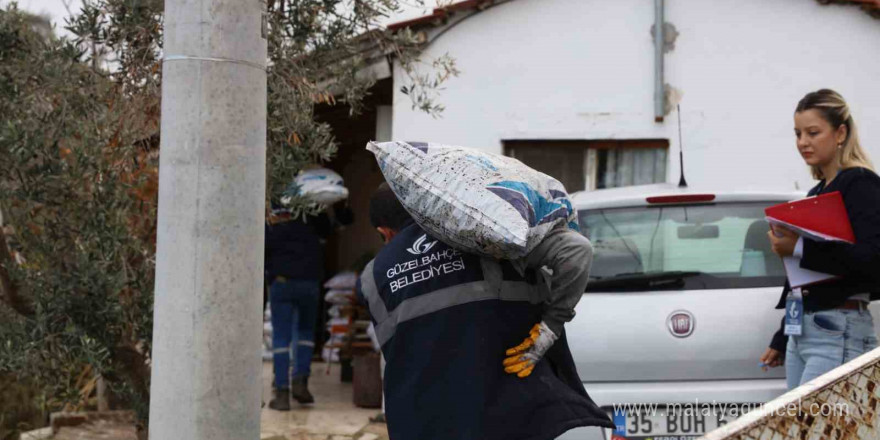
[612, 395]
[607, 394]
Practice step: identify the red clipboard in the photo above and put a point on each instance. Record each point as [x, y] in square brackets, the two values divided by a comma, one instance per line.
[822, 217]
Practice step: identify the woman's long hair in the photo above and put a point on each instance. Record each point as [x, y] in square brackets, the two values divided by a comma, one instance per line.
[834, 109]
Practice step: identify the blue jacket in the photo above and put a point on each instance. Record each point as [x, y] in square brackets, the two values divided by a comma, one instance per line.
[294, 249]
[444, 320]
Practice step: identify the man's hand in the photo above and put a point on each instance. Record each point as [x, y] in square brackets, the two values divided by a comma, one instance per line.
[523, 357]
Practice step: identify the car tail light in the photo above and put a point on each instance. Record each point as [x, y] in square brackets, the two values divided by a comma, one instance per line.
[684, 198]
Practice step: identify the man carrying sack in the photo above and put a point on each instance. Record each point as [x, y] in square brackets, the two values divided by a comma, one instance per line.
[451, 325]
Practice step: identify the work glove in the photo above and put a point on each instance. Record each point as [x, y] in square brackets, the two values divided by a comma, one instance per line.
[522, 358]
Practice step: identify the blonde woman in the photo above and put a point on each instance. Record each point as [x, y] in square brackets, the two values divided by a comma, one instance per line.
[837, 326]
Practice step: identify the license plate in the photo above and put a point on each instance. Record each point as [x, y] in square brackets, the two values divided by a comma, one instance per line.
[669, 423]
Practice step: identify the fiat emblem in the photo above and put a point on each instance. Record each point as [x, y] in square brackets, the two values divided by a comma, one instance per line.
[681, 323]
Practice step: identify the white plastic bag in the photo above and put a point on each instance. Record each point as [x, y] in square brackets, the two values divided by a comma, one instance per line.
[330, 354]
[478, 202]
[320, 185]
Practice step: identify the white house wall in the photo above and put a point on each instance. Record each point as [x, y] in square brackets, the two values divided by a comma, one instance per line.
[583, 69]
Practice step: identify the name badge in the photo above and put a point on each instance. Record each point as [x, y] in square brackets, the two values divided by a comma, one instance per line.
[794, 313]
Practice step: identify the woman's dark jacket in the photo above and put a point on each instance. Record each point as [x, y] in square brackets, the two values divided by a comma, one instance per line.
[857, 265]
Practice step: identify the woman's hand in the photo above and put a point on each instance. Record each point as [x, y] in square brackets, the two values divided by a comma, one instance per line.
[771, 359]
[783, 245]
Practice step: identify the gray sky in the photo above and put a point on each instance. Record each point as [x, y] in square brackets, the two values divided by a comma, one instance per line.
[53, 8]
[56, 11]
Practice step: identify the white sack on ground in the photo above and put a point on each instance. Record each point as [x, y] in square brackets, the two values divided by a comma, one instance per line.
[334, 312]
[339, 296]
[342, 280]
[475, 201]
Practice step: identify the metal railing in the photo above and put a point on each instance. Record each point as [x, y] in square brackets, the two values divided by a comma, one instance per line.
[841, 404]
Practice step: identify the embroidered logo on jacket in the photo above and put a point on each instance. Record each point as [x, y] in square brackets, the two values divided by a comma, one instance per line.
[421, 246]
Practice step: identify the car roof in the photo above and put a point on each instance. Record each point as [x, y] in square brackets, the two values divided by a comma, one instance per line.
[632, 196]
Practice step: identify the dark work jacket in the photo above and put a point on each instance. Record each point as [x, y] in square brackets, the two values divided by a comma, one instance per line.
[444, 320]
[857, 265]
[294, 249]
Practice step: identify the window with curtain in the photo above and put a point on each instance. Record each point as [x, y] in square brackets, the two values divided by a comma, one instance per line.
[595, 164]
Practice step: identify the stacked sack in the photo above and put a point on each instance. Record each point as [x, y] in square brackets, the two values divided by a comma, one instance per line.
[475, 201]
[340, 297]
[267, 334]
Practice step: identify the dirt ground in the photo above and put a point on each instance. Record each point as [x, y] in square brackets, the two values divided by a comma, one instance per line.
[333, 416]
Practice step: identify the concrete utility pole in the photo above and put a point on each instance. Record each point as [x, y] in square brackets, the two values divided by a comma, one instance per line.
[206, 381]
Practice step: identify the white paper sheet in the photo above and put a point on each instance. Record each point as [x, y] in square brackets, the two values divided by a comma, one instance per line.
[799, 277]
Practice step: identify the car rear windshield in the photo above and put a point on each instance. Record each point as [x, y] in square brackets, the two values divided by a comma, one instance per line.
[713, 246]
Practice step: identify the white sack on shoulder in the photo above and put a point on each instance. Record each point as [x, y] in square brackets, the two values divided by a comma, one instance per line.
[475, 201]
[320, 185]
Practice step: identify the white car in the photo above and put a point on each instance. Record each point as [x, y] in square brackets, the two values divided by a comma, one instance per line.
[679, 308]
